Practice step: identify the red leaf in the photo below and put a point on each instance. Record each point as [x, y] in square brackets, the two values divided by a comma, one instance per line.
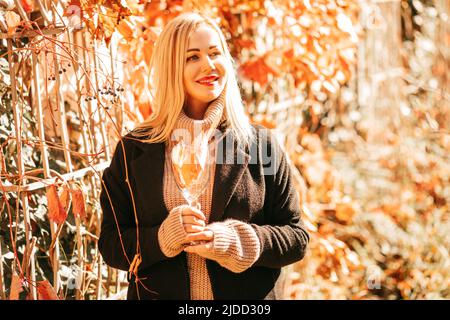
[46, 291]
[16, 287]
[28, 5]
[245, 43]
[257, 70]
[56, 212]
[78, 209]
[65, 198]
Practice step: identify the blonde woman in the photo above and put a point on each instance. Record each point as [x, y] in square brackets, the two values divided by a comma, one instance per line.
[249, 224]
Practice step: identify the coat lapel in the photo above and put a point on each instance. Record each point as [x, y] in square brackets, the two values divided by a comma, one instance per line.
[227, 175]
[148, 172]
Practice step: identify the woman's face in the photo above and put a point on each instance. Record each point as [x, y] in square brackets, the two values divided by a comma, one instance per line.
[204, 73]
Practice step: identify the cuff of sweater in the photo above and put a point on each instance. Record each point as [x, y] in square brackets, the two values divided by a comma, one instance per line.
[236, 245]
[171, 233]
[224, 237]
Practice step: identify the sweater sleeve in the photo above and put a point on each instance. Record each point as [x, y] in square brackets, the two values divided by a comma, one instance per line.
[171, 233]
[235, 246]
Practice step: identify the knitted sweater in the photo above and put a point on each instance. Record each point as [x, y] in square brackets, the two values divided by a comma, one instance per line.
[235, 245]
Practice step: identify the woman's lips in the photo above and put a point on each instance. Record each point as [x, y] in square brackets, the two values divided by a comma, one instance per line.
[208, 83]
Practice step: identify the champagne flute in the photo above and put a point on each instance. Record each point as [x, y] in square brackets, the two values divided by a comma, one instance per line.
[190, 164]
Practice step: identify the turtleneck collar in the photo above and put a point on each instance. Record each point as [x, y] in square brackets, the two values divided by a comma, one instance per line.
[214, 116]
[211, 119]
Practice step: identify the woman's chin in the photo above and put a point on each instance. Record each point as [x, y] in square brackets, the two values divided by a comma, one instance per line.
[210, 96]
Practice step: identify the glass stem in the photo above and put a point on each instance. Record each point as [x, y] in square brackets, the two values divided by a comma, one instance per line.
[196, 204]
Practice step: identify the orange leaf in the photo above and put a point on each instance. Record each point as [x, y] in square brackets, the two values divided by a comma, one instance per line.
[257, 70]
[79, 209]
[345, 212]
[145, 106]
[126, 29]
[16, 287]
[148, 51]
[289, 54]
[264, 121]
[28, 5]
[46, 291]
[56, 212]
[12, 21]
[65, 198]
[139, 79]
[245, 43]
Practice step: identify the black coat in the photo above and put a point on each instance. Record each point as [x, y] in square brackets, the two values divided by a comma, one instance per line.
[257, 190]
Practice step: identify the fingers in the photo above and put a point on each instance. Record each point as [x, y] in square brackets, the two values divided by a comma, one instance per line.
[193, 220]
[193, 228]
[191, 211]
[199, 248]
[206, 235]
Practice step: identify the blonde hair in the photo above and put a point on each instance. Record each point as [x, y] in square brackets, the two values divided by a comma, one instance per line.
[166, 76]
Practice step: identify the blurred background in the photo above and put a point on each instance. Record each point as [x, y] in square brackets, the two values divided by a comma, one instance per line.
[356, 91]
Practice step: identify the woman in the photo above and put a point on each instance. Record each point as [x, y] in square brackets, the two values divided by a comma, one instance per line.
[249, 223]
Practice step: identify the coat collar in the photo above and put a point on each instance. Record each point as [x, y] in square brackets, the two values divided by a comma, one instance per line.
[226, 178]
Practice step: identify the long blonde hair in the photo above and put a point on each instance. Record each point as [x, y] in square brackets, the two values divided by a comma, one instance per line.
[166, 79]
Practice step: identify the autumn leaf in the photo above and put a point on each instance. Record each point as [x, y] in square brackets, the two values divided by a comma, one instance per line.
[245, 43]
[46, 291]
[79, 210]
[75, 3]
[126, 29]
[257, 70]
[65, 198]
[56, 212]
[148, 51]
[264, 121]
[139, 79]
[28, 5]
[152, 33]
[16, 287]
[12, 21]
[144, 104]
[345, 212]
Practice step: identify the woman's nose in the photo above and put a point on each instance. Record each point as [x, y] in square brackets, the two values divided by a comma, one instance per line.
[209, 65]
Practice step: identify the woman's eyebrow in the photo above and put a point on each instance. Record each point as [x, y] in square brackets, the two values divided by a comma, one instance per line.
[196, 49]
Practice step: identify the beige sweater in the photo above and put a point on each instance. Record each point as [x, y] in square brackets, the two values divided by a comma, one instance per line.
[235, 246]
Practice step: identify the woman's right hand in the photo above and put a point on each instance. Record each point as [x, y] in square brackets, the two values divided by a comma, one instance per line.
[194, 223]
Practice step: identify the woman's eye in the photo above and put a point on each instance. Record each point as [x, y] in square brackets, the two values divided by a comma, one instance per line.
[195, 57]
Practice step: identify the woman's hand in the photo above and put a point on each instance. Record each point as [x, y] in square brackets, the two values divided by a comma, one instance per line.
[194, 222]
[193, 219]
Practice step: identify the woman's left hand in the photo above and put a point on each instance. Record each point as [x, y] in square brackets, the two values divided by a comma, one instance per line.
[200, 249]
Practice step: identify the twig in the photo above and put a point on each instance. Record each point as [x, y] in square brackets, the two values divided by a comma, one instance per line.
[2, 288]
